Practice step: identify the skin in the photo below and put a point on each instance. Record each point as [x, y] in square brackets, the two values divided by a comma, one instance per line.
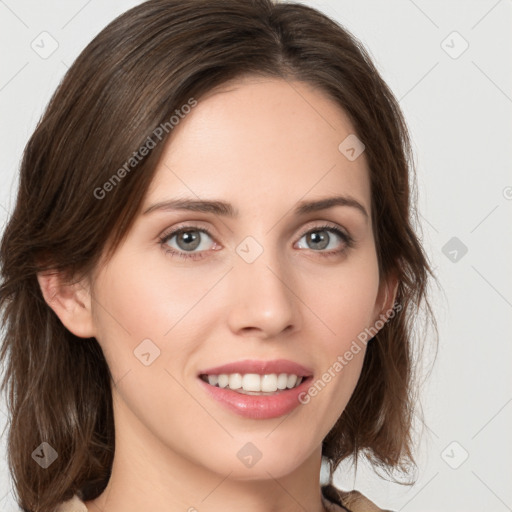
[263, 145]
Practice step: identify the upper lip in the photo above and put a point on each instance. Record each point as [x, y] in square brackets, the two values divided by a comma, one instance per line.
[260, 367]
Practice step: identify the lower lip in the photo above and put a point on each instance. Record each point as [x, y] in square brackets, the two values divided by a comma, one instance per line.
[259, 407]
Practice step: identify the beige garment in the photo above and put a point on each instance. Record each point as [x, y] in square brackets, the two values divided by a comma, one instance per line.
[351, 501]
[336, 500]
[75, 504]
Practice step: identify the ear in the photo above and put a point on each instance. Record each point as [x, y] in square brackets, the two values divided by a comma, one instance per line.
[71, 302]
[386, 297]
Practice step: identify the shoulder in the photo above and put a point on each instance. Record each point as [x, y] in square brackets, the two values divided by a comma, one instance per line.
[350, 501]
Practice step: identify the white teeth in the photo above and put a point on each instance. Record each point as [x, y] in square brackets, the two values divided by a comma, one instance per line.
[282, 381]
[269, 382]
[255, 383]
[223, 380]
[292, 379]
[251, 382]
[235, 381]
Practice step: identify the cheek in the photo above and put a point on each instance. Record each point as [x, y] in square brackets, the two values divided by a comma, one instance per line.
[141, 298]
[344, 297]
[346, 308]
[140, 317]
[145, 305]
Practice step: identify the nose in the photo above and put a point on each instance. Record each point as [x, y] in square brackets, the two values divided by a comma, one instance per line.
[264, 304]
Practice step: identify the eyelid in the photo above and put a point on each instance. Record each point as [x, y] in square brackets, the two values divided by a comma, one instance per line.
[324, 224]
[187, 225]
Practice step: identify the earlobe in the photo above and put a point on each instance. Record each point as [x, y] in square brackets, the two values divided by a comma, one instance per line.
[71, 302]
[387, 296]
[391, 291]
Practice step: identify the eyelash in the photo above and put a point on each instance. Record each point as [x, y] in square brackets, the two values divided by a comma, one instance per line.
[347, 239]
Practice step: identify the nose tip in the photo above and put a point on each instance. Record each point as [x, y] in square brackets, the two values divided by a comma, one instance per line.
[263, 302]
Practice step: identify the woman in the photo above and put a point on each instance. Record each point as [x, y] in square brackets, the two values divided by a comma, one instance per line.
[210, 276]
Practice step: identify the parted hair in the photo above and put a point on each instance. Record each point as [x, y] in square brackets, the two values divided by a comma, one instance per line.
[129, 80]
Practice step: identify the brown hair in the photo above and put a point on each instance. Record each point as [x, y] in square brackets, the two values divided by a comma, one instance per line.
[129, 80]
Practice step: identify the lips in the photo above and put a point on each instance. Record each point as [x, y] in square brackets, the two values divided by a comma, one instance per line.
[258, 405]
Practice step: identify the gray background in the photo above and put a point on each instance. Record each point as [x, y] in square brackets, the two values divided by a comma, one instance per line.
[458, 105]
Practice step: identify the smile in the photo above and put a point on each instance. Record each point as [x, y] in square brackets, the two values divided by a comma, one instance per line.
[252, 383]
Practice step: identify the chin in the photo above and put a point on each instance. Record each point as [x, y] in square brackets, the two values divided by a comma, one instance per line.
[250, 462]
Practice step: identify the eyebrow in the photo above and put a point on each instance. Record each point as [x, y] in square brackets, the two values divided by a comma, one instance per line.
[224, 209]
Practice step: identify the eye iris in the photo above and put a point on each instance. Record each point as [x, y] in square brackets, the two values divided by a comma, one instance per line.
[319, 241]
[189, 237]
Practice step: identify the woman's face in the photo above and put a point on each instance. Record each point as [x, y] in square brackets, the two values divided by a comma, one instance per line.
[265, 283]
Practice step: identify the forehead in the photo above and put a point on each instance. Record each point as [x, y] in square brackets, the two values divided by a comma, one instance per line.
[261, 140]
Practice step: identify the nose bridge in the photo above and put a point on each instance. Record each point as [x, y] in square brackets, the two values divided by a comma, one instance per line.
[263, 299]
